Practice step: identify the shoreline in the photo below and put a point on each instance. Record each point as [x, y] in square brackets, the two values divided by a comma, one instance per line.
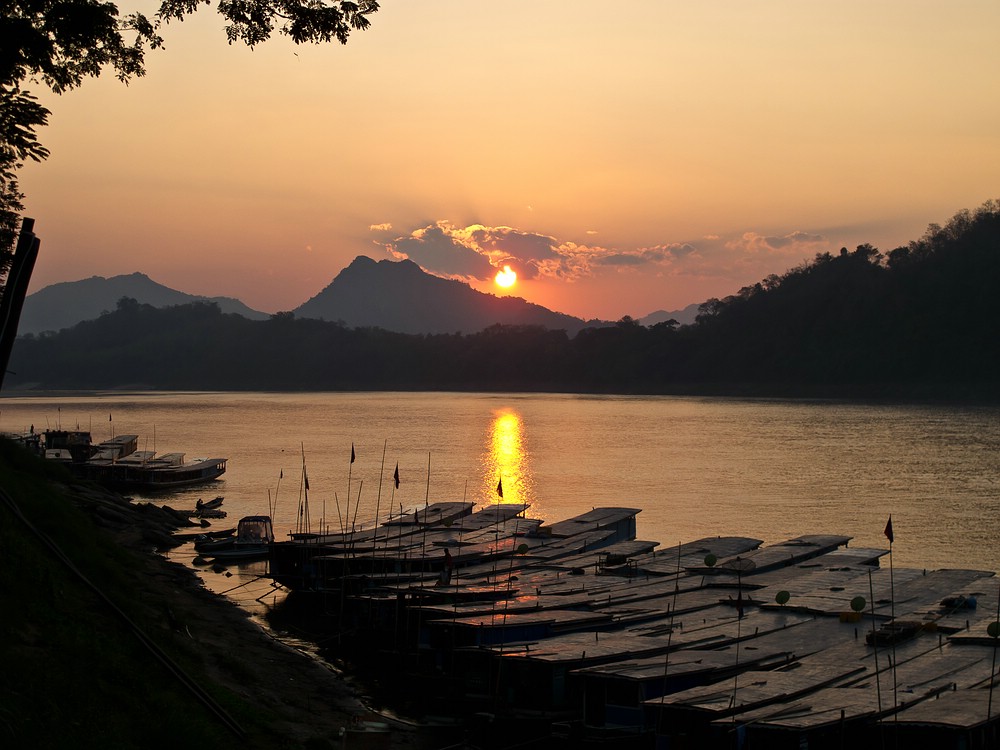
[313, 703]
[110, 639]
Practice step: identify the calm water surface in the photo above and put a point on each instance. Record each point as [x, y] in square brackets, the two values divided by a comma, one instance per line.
[695, 466]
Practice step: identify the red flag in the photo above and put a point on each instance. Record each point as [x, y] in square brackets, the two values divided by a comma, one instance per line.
[500, 487]
[352, 453]
[395, 476]
[888, 530]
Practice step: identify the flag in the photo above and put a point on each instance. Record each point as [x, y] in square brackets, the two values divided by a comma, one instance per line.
[352, 453]
[888, 530]
[305, 477]
[395, 476]
[281, 473]
[500, 487]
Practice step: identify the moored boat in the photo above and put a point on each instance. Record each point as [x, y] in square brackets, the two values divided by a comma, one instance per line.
[203, 505]
[118, 464]
[254, 535]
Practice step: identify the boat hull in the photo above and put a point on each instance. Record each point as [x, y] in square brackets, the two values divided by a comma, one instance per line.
[122, 476]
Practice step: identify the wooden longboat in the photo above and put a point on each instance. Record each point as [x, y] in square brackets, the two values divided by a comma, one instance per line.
[291, 562]
[668, 561]
[418, 555]
[535, 672]
[829, 704]
[782, 555]
[635, 691]
[526, 632]
[860, 713]
[614, 695]
[517, 545]
[690, 713]
[951, 720]
[493, 577]
[382, 588]
[620, 520]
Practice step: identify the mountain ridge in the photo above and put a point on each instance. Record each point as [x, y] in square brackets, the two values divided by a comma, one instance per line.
[397, 296]
[64, 304]
[400, 296]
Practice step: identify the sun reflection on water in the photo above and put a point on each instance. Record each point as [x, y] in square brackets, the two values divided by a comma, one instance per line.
[506, 461]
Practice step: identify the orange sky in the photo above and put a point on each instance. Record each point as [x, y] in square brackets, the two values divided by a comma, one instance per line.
[622, 159]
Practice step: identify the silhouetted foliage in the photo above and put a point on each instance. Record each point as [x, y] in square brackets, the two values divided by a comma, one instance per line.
[918, 321]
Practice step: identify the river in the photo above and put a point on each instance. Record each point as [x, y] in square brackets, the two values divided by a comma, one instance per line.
[696, 467]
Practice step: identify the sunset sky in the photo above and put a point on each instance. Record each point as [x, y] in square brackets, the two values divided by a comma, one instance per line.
[619, 157]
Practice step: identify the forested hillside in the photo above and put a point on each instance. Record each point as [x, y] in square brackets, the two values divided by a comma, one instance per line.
[920, 320]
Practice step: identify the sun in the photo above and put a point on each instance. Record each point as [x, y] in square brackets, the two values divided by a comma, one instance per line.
[506, 277]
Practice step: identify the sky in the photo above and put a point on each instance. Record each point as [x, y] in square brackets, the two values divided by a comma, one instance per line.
[621, 158]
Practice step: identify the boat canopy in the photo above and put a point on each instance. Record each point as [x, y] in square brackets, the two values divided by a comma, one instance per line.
[255, 530]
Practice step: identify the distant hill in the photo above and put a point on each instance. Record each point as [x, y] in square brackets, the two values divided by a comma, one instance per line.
[399, 296]
[65, 304]
[684, 317]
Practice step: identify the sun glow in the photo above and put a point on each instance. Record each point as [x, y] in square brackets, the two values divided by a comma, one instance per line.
[506, 277]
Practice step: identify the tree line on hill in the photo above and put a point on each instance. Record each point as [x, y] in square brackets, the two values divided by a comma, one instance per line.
[921, 320]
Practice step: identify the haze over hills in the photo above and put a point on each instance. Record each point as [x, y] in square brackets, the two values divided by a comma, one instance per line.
[399, 296]
[65, 304]
[684, 317]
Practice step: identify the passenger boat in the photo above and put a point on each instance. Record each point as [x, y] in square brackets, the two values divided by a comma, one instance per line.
[578, 631]
[116, 463]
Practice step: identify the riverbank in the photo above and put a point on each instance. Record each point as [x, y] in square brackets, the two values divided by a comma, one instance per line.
[108, 643]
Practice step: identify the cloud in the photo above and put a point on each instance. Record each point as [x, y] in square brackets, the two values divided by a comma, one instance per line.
[383, 227]
[477, 251]
[436, 249]
[657, 255]
[751, 257]
[756, 243]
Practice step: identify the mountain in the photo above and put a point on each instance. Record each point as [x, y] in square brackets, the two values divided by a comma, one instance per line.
[399, 296]
[685, 317]
[65, 304]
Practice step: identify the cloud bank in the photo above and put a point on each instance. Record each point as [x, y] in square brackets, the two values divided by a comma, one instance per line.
[476, 252]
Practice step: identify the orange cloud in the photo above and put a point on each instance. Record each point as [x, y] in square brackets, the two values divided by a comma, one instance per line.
[476, 251]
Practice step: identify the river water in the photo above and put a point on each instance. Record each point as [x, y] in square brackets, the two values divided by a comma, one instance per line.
[696, 467]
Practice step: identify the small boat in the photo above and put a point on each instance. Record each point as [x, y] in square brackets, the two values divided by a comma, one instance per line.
[254, 536]
[210, 505]
[214, 540]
